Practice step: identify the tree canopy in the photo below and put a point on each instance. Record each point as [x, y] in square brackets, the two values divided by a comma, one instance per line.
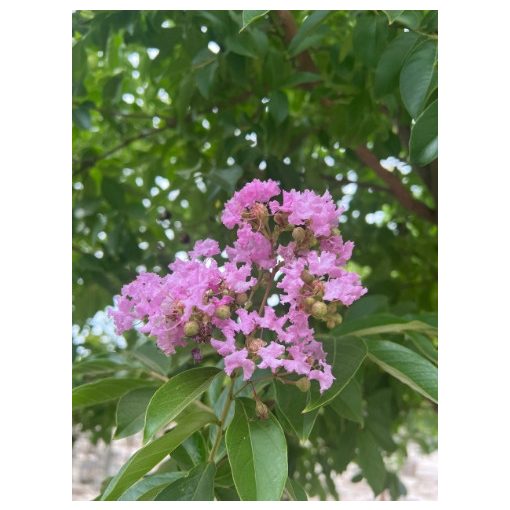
[175, 110]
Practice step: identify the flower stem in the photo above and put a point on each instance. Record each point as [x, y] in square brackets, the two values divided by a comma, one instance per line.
[224, 413]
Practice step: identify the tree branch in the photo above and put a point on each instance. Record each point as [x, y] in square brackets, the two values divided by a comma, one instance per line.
[401, 193]
[367, 157]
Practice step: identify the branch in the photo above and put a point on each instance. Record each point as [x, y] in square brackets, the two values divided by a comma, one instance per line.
[89, 163]
[401, 193]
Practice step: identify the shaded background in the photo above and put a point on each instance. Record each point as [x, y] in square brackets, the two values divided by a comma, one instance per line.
[173, 111]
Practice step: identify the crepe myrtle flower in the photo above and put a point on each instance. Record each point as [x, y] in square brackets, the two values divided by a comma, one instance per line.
[202, 301]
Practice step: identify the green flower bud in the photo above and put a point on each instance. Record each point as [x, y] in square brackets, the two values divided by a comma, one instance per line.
[319, 309]
[222, 312]
[303, 384]
[299, 234]
[338, 318]
[191, 328]
[330, 324]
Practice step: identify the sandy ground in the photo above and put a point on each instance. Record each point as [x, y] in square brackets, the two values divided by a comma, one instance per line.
[91, 464]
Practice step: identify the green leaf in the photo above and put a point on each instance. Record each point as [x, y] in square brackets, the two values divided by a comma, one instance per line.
[291, 402]
[349, 402]
[405, 365]
[205, 78]
[367, 306]
[296, 492]
[345, 447]
[305, 31]
[251, 16]
[423, 344]
[417, 75]
[380, 417]
[96, 366]
[104, 390]
[300, 78]
[345, 354]
[81, 118]
[423, 142]
[174, 396]
[147, 457]
[152, 358]
[113, 192]
[197, 486]
[257, 452]
[369, 37]
[131, 412]
[371, 463]
[278, 106]
[410, 19]
[381, 323]
[392, 15]
[149, 487]
[391, 61]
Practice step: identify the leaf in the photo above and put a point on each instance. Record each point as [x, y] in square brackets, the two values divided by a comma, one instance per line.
[391, 61]
[368, 38]
[197, 486]
[417, 76]
[104, 390]
[423, 345]
[278, 106]
[410, 19]
[225, 178]
[251, 16]
[301, 77]
[153, 453]
[174, 396]
[392, 15]
[345, 354]
[149, 487]
[371, 462]
[113, 192]
[311, 23]
[96, 366]
[152, 357]
[345, 447]
[205, 78]
[380, 417]
[405, 365]
[349, 403]
[291, 402]
[369, 305]
[381, 323]
[296, 492]
[257, 452]
[423, 143]
[81, 118]
[130, 413]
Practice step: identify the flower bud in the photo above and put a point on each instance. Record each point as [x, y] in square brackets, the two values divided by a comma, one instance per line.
[191, 328]
[330, 324]
[335, 231]
[299, 234]
[222, 312]
[309, 302]
[261, 410]
[319, 309]
[338, 318]
[331, 308]
[307, 277]
[196, 355]
[254, 344]
[242, 298]
[248, 305]
[303, 384]
[280, 219]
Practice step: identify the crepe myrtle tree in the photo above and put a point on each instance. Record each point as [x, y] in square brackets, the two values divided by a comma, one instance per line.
[230, 425]
[266, 359]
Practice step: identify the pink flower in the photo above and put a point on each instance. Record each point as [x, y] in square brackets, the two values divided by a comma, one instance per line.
[247, 320]
[254, 191]
[347, 288]
[239, 359]
[270, 355]
[250, 247]
[324, 377]
[236, 278]
[307, 207]
[205, 248]
[299, 362]
[271, 321]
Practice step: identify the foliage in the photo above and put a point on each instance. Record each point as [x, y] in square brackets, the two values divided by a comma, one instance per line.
[173, 111]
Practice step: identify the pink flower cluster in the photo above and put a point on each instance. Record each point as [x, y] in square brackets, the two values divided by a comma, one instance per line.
[292, 248]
